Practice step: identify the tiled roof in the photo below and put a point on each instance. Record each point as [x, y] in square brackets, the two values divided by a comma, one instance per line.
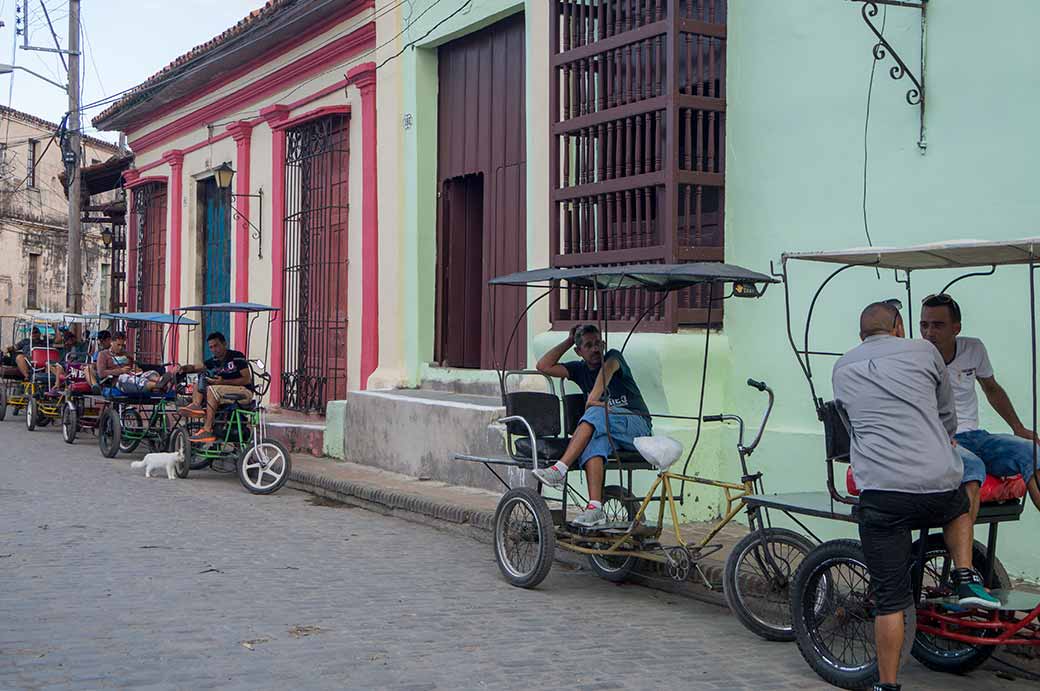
[252, 19]
[53, 126]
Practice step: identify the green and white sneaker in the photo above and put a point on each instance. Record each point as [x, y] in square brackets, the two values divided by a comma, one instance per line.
[549, 476]
[591, 518]
[967, 585]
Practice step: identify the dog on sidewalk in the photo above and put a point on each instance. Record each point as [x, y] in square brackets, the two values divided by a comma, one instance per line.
[157, 461]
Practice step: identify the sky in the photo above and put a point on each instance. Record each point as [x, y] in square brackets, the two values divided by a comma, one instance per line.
[124, 42]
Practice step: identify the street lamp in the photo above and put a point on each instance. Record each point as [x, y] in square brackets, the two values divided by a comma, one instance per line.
[106, 236]
[223, 174]
[8, 69]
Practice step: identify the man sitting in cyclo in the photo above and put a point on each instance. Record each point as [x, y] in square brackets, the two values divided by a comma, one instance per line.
[18, 354]
[225, 378]
[104, 342]
[967, 362]
[897, 395]
[117, 364]
[590, 445]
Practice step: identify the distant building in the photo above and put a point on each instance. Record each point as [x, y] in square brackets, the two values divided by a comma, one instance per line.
[34, 220]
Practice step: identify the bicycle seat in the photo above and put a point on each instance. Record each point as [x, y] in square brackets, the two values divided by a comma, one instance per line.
[659, 450]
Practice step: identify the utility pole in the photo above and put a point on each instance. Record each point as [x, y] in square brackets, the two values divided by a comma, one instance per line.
[74, 294]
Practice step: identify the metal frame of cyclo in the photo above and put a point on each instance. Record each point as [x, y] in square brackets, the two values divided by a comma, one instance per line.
[999, 627]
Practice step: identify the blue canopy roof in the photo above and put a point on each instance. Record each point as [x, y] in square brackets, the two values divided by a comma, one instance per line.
[151, 317]
[229, 307]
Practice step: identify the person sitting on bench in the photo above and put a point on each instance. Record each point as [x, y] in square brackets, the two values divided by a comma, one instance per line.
[129, 378]
[897, 396]
[18, 354]
[224, 378]
[595, 373]
[967, 363]
[104, 342]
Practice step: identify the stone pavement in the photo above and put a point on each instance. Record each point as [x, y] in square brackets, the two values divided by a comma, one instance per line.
[112, 580]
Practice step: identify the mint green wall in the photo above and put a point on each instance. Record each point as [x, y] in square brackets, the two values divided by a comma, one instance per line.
[797, 85]
[419, 196]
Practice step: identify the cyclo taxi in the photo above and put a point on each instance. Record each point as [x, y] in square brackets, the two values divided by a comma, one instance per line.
[832, 605]
[239, 441]
[15, 388]
[44, 393]
[130, 418]
[539, 423]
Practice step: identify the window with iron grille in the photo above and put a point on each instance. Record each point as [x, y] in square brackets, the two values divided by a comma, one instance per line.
[317, 161]
[150, 217]
[32, 289]
[638, 144]
[30, 173]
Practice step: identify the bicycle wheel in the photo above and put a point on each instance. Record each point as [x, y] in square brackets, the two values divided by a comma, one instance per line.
[620, 507]
[524, 539]
[130, 421]
[265, 468]
[757, 580]
[109, 433]
[944, 654]
[3, 401]
[833, 615]
[69, 422]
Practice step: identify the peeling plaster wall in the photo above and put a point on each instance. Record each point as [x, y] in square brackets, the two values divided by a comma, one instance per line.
[34, 220]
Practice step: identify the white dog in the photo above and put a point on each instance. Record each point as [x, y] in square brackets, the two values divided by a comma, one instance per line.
[155, 461]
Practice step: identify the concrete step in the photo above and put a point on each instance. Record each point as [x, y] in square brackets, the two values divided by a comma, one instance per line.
[418, 432]
[300, 433]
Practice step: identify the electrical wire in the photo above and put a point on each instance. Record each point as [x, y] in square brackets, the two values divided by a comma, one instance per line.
[162, 82]
[433, 28]
[866, 129]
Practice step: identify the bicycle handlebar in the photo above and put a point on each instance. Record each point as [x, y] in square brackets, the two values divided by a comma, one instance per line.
[760, 385]
[755, 384]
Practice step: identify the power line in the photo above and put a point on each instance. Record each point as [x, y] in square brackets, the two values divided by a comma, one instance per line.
[392, 5]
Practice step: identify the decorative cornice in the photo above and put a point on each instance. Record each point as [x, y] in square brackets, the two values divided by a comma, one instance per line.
[363, 77]
[240, 131]
[274, 114]
[174, 157]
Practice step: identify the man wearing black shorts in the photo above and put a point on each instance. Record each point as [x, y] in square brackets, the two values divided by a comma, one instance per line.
[900, 407]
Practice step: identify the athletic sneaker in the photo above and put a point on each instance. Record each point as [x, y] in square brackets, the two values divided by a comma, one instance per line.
[970, 592]
[549, 476]
[591, 518]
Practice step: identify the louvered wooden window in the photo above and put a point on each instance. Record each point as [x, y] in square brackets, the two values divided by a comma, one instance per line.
[637, 102]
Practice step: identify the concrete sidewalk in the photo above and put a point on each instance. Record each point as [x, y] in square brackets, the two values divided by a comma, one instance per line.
[471, 512]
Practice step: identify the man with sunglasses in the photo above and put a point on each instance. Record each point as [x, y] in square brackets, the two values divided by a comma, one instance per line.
[607, 381]
[968, 363]
[899, 405]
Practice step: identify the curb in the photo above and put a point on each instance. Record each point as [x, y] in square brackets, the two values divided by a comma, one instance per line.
[477, 525]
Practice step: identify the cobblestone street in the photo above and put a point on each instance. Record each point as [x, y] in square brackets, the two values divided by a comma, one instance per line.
[109, 579]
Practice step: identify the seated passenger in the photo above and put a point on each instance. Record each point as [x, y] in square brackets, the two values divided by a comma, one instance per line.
[104, 342]
[967, 362]
[590, 444]
[19, 353]
[224, 378]
[69, 348]
[117, 364]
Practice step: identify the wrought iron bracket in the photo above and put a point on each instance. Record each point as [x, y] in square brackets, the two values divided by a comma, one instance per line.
[915, 95]
[257, 232]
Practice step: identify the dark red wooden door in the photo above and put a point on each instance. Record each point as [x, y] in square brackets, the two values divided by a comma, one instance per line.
[481, 136]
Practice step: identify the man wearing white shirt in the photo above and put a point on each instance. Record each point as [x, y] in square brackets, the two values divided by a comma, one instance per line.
[967, 363]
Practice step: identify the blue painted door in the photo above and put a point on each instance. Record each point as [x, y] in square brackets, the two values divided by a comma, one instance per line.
[217, 278]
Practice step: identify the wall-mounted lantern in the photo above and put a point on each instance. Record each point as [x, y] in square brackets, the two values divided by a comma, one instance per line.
[224, 174]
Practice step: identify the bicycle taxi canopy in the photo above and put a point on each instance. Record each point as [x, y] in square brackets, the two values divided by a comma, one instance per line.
[245, 308]
[968, 255]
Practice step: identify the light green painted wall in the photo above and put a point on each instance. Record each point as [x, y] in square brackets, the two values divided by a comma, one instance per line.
[797, 85]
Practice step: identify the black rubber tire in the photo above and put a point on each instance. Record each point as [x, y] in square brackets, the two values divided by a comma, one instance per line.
[808, 606]
[619, 505]
[964, 657]
[135, 420]
[32, 414]
[109, 433]
[266, 447]
[3, 401]
[537, 528]
[180, 440]
[735, 580]
[69, 422]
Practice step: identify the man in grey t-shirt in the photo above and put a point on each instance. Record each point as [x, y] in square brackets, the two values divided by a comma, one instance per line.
[897, 396]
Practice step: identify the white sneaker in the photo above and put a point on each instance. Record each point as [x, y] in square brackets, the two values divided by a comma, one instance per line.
[591, 518]
[549, 476]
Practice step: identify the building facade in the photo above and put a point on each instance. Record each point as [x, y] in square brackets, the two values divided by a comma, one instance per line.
[34, 216]
[285, 100]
